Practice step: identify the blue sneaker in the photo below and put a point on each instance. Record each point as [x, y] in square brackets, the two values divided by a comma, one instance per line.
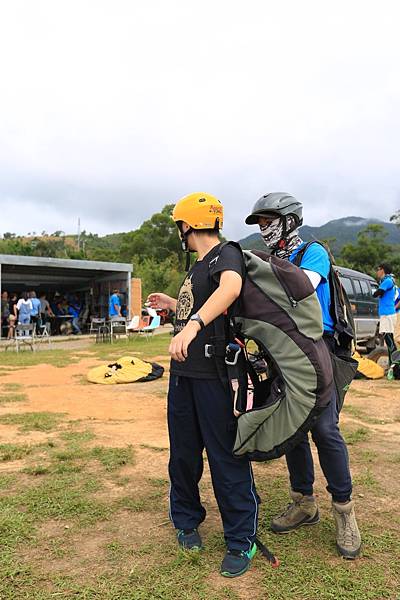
[189, 539]
[236, 562]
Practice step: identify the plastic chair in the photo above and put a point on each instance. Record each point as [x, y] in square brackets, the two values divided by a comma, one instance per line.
[134, 324]
[149, 329]
[24, 336]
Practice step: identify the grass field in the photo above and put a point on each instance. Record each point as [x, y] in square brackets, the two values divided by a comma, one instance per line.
[84, 494]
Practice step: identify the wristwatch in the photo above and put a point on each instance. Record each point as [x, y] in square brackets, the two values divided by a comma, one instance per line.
[197, 317]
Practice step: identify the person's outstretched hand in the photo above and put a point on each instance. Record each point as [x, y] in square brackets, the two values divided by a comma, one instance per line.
[178, 347]
[160, 300]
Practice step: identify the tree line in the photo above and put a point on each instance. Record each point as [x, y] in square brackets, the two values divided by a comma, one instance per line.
[154, 249]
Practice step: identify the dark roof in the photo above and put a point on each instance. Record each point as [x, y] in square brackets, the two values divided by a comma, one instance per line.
[34, 270]
[66, 263]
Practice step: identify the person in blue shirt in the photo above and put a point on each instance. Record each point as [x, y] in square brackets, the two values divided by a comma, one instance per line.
[279, 215]
[74, 310]
[386, 293]
[35, 312]
[114, 307]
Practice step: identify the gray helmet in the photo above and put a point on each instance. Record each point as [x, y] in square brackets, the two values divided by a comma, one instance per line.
[278, 204]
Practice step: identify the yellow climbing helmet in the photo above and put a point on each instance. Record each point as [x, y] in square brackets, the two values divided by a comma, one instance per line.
[200, 211]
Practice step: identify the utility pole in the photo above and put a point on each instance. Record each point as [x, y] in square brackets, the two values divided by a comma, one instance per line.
[79, 233]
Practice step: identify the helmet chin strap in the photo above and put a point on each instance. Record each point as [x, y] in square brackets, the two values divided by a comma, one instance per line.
[185, 246]
[184, 240]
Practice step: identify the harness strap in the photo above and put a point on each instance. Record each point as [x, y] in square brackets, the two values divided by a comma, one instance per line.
[267, 553]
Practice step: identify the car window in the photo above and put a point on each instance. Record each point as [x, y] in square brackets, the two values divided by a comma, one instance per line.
[357, 287]
[348, 288]
[364, 288]
[374, 286]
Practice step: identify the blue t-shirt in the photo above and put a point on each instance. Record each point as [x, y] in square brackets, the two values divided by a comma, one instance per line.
[35, 307]
[74, 310]
[316, 259]
[112, 312]
[386, 302]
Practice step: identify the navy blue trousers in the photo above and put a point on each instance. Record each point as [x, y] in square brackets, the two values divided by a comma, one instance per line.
[332, 453]
[200, 416]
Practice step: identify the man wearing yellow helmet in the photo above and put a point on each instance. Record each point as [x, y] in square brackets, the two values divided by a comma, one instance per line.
[199, 404]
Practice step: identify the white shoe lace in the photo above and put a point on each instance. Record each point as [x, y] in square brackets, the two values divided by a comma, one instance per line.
[349, 531]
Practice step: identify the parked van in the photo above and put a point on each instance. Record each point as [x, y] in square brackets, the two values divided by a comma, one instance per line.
[360, 288]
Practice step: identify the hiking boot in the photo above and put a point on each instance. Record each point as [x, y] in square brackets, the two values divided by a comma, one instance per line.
[189, 539]
[348, 538]
[237, 562]
[302, 511]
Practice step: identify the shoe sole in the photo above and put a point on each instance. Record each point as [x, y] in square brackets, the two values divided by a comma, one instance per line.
[231, 575]
[352, 556]
[314, 521]
[243, 571]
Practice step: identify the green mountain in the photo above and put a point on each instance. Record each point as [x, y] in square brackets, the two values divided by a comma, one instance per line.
[336, 233]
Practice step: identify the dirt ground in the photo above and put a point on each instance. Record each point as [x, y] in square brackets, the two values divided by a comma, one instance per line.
[135, 414]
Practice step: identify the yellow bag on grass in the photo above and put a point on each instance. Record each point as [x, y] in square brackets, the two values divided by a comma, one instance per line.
[126, 369]
[368, 368]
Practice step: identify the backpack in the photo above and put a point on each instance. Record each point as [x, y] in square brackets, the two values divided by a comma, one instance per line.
[277, 365]
[341, 313]
[343, 364]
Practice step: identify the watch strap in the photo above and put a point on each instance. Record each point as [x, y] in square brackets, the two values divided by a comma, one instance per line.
[197, 317]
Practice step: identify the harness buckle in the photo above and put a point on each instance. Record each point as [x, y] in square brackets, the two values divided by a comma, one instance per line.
[209, 350]
[232, 354]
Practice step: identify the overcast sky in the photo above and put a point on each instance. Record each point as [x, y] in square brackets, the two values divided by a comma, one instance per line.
[110, 110]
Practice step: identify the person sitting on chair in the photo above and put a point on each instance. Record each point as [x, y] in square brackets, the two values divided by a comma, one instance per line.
[74, 310]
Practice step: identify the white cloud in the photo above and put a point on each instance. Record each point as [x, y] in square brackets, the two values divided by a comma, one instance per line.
[110, 110]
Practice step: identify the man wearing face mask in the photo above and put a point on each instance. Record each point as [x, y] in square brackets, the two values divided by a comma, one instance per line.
[279, 215]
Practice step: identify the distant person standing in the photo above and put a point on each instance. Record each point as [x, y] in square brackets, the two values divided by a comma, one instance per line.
[12, 318]
[386, 293]
[5, 312]
[35, 312]
[45, 309]
[114, 307]
[13, 302]
[23, 309]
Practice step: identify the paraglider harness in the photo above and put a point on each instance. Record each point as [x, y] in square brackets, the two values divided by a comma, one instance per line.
[270, 354]
[247, 369]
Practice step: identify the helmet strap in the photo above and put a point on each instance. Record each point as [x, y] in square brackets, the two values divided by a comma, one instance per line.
[184, 243]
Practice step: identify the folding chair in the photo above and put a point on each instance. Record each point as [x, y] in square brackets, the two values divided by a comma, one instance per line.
[43, 332]
[103, 334]
[117, 327]
[96, 324]
[24, 336]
